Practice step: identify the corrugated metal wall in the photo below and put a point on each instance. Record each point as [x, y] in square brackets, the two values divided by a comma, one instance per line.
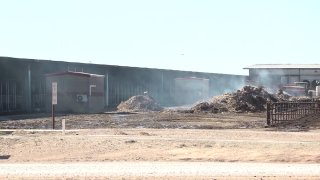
[23, 82]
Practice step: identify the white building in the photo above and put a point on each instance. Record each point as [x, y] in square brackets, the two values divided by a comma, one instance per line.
[275, 75]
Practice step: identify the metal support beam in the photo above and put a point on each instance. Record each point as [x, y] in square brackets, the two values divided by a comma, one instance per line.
[28, 95]
[107, 89]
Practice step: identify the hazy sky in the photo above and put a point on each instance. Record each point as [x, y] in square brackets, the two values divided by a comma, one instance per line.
[221, 36]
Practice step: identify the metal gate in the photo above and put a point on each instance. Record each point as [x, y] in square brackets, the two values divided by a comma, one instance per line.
[280, 112]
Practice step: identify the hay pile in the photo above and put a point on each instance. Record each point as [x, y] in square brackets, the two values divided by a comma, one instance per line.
[139, 103]
[248, 99]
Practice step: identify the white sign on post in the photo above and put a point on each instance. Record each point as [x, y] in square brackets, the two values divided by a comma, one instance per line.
[54, 93]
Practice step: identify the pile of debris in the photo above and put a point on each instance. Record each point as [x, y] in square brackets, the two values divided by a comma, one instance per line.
[139, 103]
[283, 96]
[248, 99]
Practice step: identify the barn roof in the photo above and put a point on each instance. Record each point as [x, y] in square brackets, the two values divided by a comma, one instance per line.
[284, 66]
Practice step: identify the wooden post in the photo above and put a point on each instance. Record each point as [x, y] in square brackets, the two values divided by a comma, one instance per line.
[268, 113]
[54, 100]
[53, 121]
[63, 126]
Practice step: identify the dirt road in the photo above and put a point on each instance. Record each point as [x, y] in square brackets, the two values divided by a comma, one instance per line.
[159, 169]
[157, 146]
[103, 145]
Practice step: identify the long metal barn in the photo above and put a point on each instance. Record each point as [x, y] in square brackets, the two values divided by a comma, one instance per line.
[23, 83]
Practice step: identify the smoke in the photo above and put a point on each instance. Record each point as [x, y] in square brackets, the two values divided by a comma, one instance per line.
[190, 90]
[271, 79]
[227, 84]
[265, 78]
[236, 83]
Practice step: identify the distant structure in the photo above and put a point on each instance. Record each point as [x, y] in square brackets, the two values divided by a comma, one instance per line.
[24, 88]
[276, 75]
[78, 92]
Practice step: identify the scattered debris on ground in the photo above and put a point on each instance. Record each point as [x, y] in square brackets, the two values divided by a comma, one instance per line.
[144, 134]
[139, 103]
[283, 96]
[119, 132]
[248, 99]
[130, 141]
[300, 99]
[153, 120]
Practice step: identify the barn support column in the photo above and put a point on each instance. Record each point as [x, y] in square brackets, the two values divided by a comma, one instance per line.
[107, 89]
[161, 94]
[28, 95]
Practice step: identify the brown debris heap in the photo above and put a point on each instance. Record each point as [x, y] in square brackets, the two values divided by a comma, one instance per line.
[282, 97]
[248, 99]
[139, 103]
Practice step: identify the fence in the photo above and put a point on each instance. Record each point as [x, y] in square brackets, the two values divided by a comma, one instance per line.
[279, 112]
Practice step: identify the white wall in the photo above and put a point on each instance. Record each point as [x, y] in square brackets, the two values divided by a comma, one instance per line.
[284, 76]
[310, 72]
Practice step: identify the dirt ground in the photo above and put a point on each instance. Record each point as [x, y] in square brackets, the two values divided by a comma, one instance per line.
[156, 120]
[157, 137]
[161, 145]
